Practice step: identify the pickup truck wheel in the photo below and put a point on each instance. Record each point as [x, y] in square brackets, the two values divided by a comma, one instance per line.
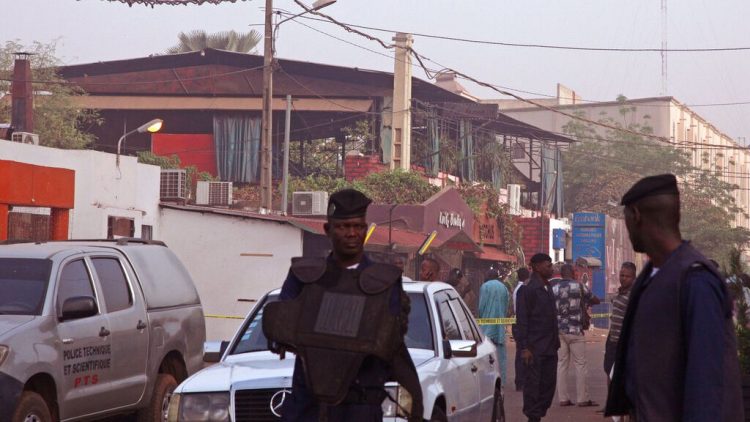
[438, 415]
[498, 406]
[156, 411]
[32, 408]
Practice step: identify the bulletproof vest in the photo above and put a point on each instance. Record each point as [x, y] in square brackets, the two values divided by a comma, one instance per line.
[340, 317]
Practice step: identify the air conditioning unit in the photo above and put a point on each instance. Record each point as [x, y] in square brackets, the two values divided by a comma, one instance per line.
[213, 193]
[173, 185]
[25, 138]
[309, 203]
[514, 199]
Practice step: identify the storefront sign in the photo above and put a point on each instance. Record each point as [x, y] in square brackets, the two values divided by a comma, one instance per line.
[451, 220]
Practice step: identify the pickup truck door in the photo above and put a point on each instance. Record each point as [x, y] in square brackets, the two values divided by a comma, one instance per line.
[85, 346]
[128, 321]
[463, 405]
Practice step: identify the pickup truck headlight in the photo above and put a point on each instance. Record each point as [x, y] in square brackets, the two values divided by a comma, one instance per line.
[401, 406]
[4, 350]
[200, 407]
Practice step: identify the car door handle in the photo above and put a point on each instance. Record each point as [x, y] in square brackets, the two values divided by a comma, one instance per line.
[492, 360]
[67, 341]
[474, 368]
[141, 325]
[104, 332]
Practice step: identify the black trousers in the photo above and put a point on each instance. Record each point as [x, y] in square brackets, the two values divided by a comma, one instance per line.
[520, 367]
[539, 387]
[610, 348]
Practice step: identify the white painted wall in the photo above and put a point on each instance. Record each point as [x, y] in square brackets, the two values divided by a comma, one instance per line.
[210, 245]
[101, 189]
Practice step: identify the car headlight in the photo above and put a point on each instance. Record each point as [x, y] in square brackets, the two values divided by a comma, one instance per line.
[4, 351]
[200, 407]
[402, 403]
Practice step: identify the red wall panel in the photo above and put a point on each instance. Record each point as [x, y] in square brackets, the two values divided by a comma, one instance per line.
[192, 149]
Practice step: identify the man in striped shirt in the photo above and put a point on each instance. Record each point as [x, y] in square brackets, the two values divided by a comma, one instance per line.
[619, 304]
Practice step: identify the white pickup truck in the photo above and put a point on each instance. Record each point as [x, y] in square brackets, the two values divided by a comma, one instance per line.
[90, 329]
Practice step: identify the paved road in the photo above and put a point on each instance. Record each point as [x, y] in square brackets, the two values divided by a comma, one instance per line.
[596, 380]
[597, 383]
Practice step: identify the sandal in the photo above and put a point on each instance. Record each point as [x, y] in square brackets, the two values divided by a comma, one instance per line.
[566, 403]
[587, 403]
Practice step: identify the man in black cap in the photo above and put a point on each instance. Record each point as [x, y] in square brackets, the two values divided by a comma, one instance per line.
[676, 359]
[341, 281]
[536, 336]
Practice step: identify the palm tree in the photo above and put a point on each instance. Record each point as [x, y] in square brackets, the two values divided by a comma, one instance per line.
[197, 40]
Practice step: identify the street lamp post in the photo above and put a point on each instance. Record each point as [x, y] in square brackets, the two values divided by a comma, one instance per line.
[151, 126]
[266, 179]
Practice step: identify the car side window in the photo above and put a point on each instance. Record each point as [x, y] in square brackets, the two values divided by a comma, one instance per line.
[114, 284]
[74, 281]
[448, 322]
[465, 319]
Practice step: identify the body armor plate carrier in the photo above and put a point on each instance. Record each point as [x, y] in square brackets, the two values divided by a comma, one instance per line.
[340, 317]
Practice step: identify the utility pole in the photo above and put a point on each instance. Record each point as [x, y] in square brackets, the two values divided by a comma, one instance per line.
[266, 187]
[287, 129]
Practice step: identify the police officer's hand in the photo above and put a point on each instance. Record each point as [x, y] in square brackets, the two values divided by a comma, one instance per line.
[527, 356]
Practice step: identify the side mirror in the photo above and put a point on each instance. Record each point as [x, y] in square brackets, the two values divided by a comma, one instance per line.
[78, 307]
[463, 348]
[214, 350]
[447, 352]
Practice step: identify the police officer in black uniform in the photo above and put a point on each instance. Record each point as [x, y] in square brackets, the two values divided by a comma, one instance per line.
[335, 313]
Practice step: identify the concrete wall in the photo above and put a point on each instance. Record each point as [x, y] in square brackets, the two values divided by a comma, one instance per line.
[101, 189]
[212, 246]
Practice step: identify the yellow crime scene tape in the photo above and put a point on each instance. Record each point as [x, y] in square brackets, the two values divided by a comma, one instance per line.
[510, 321]
[224, 316]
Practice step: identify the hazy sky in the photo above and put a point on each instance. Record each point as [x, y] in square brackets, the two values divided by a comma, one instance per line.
[96, 30]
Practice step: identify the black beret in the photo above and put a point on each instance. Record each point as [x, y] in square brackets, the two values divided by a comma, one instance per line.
[650, 186]
[347, 203]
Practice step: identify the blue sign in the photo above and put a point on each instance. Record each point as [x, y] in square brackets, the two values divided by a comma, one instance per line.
[589, 242]
[558, 239]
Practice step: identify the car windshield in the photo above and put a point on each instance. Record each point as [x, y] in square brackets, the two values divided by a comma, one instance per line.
[23, 284]
[418, 337]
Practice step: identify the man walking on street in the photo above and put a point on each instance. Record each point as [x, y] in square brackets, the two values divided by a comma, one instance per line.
[538, 339]
[494, 299]
[572, 298]
[523, 279]
[677, 355]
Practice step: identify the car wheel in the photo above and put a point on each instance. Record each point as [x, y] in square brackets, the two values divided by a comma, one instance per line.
[498, 406]
[438, 415]
[32, 408]
[157, 410]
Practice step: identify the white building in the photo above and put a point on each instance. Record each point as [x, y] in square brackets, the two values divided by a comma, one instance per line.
[711, 148]
[120, 200]
[235, 257]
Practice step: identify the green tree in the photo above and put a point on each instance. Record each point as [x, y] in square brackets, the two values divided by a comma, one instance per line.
[198, 39]
[57, 121]
[603, 164]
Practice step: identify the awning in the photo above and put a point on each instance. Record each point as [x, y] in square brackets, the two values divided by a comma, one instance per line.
[460, 241]
[492, 253]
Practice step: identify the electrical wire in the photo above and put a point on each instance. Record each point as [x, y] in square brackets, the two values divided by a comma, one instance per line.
[530, 45]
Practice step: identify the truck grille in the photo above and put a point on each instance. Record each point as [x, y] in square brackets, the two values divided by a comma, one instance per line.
[254, 405]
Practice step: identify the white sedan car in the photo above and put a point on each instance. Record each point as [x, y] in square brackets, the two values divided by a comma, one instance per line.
[457, 368]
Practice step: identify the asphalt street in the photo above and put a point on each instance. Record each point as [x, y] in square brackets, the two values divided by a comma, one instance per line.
[596, 380]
